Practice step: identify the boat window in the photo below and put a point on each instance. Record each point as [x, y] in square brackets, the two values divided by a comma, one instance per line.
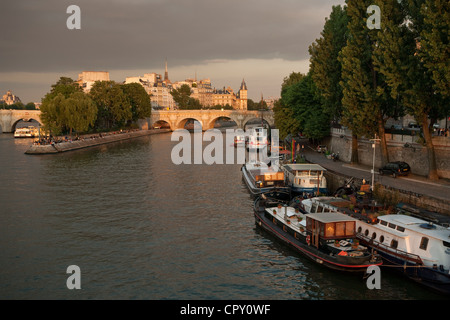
[401, 229]
[423, 243]
[384, 223]
[319, 209]
[322, 229]
[394, 244]
[381, 239]
[350, 228]
[327, 210]
[391, 225]
[330, 230]
[446, 244]
[313, 208]
[374, 235]
[340, 228]
[359, 229]
[366, 233]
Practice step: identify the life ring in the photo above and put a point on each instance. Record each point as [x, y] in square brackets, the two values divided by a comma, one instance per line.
[308, 239]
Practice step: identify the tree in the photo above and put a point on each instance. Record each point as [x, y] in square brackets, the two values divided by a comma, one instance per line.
[139, 100]
[307, 108]
[79, 112]
[411, 62]
[366, 101]
[285, 119]
[52, 113]
[181, 96]
[325, 67]
[30, 106]
[114, 109]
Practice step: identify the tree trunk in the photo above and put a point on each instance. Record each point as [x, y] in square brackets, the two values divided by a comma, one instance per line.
[354, 158]
[383, 142]
[432, 168]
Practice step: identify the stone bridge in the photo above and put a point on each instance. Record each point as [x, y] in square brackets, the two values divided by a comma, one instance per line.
[207, 118]
[174, 119]
[10, 118]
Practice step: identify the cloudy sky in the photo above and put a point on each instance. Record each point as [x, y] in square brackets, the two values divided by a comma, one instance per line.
[224, 40]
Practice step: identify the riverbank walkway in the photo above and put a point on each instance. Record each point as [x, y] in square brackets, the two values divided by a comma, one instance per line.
[412, 183]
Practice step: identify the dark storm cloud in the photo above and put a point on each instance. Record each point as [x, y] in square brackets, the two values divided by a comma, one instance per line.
[140, 34]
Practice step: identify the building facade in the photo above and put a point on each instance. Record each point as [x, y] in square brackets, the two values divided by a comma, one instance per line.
[9, 98]
[86, 79]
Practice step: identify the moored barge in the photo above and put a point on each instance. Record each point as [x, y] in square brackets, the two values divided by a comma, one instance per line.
[327, 239]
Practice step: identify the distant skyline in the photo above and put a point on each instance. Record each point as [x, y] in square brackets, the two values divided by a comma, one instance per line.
[260, 41]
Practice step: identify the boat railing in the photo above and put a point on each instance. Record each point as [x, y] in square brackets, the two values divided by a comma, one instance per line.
[396, 252]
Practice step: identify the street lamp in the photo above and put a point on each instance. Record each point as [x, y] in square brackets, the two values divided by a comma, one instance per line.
[373, 161]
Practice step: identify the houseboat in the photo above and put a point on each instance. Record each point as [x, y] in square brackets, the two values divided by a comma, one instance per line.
[26, 132]
[418, 248]
[260, 178]
[328, 239]
[305, 178]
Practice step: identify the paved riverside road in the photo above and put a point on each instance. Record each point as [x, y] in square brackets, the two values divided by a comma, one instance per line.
[412, 183]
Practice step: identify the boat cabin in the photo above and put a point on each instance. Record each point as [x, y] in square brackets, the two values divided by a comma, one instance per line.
[306, 177]
[269, 179]
[327, 226]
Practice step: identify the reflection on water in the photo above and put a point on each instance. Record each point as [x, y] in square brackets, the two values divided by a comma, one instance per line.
[140, 227]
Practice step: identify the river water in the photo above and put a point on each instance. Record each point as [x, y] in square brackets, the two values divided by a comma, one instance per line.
[140, 227]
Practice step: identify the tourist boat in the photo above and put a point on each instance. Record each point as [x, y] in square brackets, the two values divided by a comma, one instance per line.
[26, 132]
[328, 239]
[418, 248]
[305, 178]
[259, 177]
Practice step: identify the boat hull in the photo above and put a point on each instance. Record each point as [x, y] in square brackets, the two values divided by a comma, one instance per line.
[299, 243]
[427, 276]
[254, 190]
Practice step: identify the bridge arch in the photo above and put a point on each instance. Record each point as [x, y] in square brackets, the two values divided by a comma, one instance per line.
[161, 124]
[10, 118]
[181, 124]
[211, 123]
[14, 125]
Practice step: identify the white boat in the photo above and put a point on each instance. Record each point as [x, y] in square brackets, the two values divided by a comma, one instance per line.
[305, 178]
[26, 132]
[418, 248]
[260, 178]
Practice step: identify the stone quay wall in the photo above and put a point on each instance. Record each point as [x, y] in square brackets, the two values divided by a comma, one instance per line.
[400, 147]
[87, 141]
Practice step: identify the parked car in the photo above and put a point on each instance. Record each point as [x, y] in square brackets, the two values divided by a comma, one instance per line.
[397, 168]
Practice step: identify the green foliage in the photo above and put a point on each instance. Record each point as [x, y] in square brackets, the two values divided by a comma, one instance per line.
[52, 113]
[78, 112]
[139, 101]
[182, 97]
[325, 68]
[300, 110]
[114, 109]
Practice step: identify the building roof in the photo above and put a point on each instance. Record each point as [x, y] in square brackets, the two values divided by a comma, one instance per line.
[243, 85]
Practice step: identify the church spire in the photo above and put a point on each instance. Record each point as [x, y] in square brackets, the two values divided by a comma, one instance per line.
[166, 73]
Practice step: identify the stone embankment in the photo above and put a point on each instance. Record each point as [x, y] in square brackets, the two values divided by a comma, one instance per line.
[90, 141]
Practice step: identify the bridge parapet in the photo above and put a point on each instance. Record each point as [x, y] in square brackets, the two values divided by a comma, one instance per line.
[207, 118]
